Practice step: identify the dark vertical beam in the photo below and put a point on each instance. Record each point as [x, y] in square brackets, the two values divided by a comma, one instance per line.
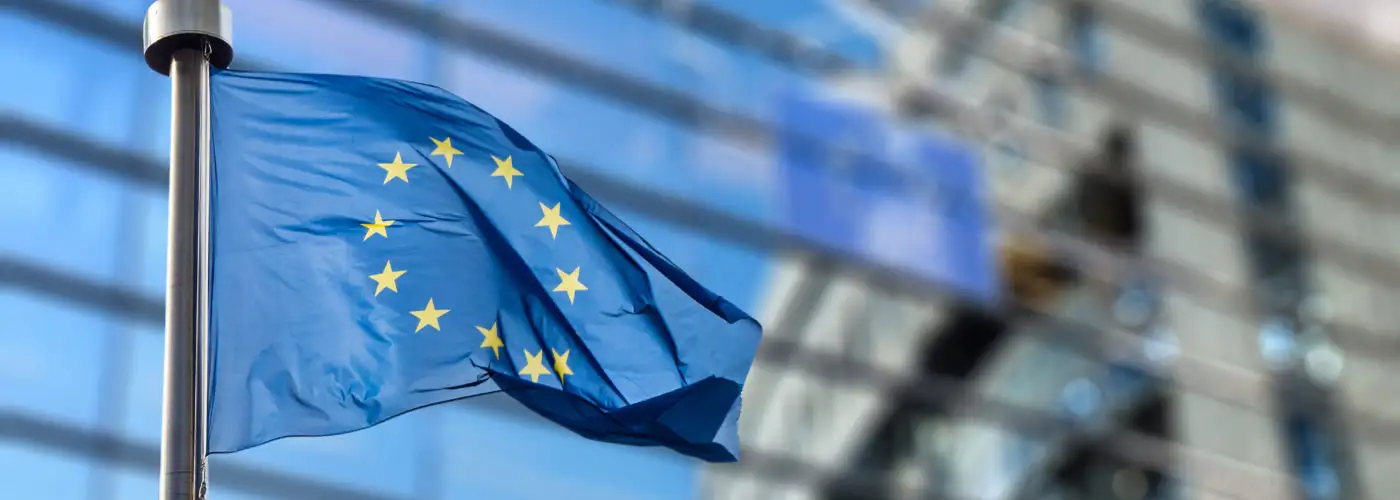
[1280, 263]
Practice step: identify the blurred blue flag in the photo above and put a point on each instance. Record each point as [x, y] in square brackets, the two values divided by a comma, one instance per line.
[380, 246]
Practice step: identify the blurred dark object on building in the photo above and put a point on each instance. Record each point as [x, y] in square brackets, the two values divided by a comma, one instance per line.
[1032, 274]
[1090, 469]
[1108, 194]
[1105, 203]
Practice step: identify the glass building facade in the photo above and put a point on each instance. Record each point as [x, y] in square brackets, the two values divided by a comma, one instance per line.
[1272, 373]
[1256, 355]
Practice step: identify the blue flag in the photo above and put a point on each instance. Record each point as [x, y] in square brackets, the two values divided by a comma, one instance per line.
[380, 246]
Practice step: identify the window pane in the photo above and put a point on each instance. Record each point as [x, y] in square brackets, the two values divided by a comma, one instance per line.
[125, 10]
[736, 273]
[343, 41]
[141, 420]
[644, 48]
[50, 83]
[65, 217]
[1050, 100]
[114, 375]
[530, 457]
[75, 83]
[142, 485]
[153, 212]
[50, 357]
[156, 139]
[41, 473]
[1084, 39]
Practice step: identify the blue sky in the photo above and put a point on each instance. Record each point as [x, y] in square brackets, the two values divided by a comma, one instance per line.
[52, 356]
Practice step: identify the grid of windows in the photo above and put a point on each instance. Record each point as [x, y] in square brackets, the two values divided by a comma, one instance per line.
[1246, 101]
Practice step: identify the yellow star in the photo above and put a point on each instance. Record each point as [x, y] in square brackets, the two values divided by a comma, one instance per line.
[561, 364]
[444, 148]
[398, 169]
[386, 279]
[379, 227]
[492, 340]
[569, 283]
[505, 168]
[551, 219]
[534, 366]
[429, 316]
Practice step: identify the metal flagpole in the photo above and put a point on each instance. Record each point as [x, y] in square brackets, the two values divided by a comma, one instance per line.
[183, 39]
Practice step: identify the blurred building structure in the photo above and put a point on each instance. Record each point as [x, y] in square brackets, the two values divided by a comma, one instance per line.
[1243, 347]
[1249, 351]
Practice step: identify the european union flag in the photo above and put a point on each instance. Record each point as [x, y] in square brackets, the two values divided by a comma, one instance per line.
[380, 246]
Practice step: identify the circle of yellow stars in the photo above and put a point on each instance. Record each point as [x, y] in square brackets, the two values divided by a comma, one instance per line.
[430, 315]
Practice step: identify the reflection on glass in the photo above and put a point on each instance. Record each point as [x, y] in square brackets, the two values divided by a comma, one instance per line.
[140, 418]
[800, 435]
[864, 330]
[67, 217]
[1133, 307]
[60, 90]
[1323, 362]
[1126, 382]
[37, 473]
[1083, 38]
[1276, 342]
[1050, 97]
[492, 448]
[343, 41]
[150, 223]
[1311, 448]
[1315, 308]
[933, 449]
[1160, 346]
[1081, 397]
[50, 354]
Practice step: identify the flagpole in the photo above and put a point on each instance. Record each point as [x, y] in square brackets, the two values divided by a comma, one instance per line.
[183, 39]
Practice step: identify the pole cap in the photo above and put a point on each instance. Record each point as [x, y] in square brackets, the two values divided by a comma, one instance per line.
[172, 25]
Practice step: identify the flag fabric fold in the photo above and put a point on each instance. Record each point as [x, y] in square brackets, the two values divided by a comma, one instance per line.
[379, 246]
